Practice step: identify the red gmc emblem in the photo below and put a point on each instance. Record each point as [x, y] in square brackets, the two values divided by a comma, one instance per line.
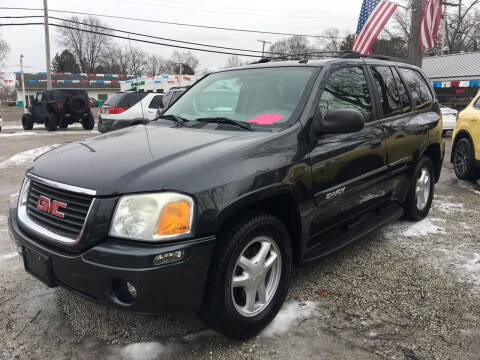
[50, 206]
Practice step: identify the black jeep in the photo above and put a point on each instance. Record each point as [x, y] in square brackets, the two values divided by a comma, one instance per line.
[251, 171]
[59, 107]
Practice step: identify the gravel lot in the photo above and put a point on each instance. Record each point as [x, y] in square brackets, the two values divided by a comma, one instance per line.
[407, 291]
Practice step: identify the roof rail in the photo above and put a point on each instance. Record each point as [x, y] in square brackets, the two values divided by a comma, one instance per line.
[357, 55]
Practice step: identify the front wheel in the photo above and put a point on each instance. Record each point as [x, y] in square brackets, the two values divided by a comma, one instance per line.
[249, 276]
[27, 122]
[89, 122]
[464, 160]
[420, 195]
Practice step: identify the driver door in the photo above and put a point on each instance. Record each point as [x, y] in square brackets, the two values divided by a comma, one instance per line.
[38, 106]
[347, 169]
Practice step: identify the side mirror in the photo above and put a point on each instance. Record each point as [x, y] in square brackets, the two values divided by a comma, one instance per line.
[338, 122]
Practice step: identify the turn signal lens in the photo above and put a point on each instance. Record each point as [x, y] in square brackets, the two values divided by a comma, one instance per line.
[175, 218]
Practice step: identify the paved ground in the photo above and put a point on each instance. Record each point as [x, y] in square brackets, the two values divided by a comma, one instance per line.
[408, 291]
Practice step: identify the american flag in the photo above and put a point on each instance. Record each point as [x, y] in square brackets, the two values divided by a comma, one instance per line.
[373, 17]
[431, 18]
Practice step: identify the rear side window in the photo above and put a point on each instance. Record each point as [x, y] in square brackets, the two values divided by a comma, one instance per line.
[477, 103]
[387, 91]
[166, 99]
[347, 89]
[418, 88]
[126, 99]
[156, 102]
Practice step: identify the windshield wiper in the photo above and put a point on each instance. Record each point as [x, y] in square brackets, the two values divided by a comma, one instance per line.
[178, 120]
[227, 121]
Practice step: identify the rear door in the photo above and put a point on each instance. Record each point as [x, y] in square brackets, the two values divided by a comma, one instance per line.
[406, 127]
[347, 169]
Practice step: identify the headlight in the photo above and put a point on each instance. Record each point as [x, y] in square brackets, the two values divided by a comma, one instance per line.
[23, 196]
[153, 217]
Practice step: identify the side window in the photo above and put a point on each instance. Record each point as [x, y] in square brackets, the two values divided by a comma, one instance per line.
[387, 90]
[477, 103]
[156, 102]
[166, 99]
[402, 92]
[39, 97]
[418, 88]
[347, 89]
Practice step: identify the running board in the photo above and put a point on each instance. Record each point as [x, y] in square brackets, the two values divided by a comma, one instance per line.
[353, 231]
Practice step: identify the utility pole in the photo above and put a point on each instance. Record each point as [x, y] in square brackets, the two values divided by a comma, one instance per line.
[263, 46]
[23, 85]
[180, 79]
[415, 52]
[47, 44]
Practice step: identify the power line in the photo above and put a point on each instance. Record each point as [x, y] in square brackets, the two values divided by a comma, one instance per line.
[159, 38]
[134, 39]
[172, 23]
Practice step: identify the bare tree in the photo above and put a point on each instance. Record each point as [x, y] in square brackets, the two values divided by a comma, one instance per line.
[138, 60]
[185, 58]
[156, 64]
[4, 49]
[233, 61]
[295, 44]
[331, 40]
[84, 45]
[6, 92]
[463, 27]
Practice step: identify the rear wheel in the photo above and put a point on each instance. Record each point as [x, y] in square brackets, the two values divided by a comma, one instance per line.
[27, 121]
[249, 276]
[420, 196]
[464, 160]
[88, 122]
[51, 122]
[63, 124]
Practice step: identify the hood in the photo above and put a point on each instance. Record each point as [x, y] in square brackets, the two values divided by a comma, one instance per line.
[139, 158]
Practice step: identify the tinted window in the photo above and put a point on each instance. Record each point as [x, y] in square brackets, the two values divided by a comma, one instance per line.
[418, 88]
[402, 91]
[156, 102]
[126, 99]
[477, 103]
[387, 91]
[175, 96]
[166, 99]
[347, 89]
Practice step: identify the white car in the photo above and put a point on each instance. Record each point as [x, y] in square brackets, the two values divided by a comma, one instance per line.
[128, 108]
[449, 116]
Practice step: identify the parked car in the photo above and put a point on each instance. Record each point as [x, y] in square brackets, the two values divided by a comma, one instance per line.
[466, 142]
[59, 107]
[449, 117]
[127, 109]
[208, 208]
[172, 95]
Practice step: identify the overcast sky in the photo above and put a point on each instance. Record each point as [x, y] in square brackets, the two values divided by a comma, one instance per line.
[300, 16]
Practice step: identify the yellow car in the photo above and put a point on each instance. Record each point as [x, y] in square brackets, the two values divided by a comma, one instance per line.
[466, 142]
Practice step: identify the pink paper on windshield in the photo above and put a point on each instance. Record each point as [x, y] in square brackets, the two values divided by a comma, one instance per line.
[266, 119]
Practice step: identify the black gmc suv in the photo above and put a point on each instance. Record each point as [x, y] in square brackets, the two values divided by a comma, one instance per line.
[59, 108]
[208, 208]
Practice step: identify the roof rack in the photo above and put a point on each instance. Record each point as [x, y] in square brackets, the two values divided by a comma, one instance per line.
[344, 54]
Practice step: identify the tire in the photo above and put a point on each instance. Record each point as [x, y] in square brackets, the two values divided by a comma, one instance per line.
[415, 210]
[89, 122]
[51, 122]
[27, 122]
[222, 306]
[63, 124]
[76, 105]
[464, 160]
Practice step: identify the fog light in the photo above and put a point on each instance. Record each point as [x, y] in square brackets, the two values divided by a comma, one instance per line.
[132, 290]
[168, 257]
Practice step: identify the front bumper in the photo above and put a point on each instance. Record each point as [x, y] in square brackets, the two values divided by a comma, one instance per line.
[97, 273]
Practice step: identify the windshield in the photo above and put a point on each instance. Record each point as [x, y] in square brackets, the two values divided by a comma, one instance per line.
[265, 98]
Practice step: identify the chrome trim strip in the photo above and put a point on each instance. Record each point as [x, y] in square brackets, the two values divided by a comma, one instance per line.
[61, 186]
[41, 231]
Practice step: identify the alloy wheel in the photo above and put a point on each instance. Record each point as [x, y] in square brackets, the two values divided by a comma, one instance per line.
[256, 276]
[422, 188]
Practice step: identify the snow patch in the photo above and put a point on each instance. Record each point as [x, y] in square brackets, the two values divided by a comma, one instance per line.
[450, 208]
[26, 157]
[423, 228]
[472, 270]
[145, 351]
[289, 316]
[8, 256]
